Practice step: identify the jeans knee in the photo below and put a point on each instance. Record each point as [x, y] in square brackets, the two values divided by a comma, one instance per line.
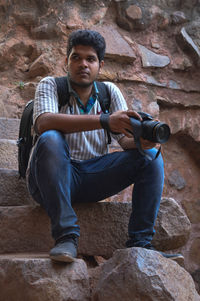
[53, 142]
[157, 164]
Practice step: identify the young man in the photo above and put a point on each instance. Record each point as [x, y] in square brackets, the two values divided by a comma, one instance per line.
[70, 162]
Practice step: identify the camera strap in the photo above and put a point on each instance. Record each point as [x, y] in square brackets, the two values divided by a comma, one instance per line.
[137, 132]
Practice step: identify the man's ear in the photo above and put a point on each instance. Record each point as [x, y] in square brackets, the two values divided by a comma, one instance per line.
[66, 60]
[101, 64]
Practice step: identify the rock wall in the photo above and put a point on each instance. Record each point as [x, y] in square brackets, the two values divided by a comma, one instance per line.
[153, 55]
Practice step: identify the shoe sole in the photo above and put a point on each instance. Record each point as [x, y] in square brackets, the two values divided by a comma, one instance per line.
[179, 260]
[62, 258]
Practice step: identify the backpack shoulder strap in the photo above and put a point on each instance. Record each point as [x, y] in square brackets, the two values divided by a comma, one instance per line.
[62, 90]
[104, 100]
[104, 97]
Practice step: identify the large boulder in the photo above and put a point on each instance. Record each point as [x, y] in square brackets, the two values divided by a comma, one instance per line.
[139, 274]
[36, 278]
[170, 221]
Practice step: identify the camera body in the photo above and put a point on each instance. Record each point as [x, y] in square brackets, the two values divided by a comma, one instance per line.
[150, 129]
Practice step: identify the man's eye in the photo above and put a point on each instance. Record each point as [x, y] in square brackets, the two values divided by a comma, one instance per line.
[75, 57]
[91, 59]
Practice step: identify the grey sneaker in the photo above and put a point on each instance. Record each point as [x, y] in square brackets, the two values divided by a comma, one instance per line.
[175, 256]
[65, 249]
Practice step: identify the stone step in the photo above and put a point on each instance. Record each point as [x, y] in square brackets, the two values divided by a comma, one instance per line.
[8, 154]
[9, 128]
[34, 277]
[13, 190]
[103, 228]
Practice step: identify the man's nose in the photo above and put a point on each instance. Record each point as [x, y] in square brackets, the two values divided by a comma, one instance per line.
[84, 63]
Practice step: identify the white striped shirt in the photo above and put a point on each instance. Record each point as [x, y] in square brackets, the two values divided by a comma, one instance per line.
[83, 145]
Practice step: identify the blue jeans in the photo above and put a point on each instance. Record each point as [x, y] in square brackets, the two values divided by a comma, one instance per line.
[56, 182]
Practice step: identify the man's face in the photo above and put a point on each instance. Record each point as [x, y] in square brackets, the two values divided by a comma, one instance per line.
[83, 65]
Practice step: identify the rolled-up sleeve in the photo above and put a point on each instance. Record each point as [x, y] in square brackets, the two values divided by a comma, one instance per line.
[46, 98]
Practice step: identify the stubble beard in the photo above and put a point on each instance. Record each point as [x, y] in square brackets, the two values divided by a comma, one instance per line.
[80, 84]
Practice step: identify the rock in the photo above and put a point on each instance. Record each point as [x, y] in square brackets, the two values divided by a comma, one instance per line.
[196, 277]
[192, 208]
[152, 81]
[186, 122]
[28, 91]
[13, 190]
[172, 228]
[8, 154]
[14, 50]
[131, 16]
[193, 29]
[181, 63]
[151, 59]
[188, 45]
[175, 179]
[170, 221]
[26, 18]
[139, 274]
[3, 111]
[9, 128]
[194, 251]
[137, 105]
[173, 85]
[85, 15]
[134, 12]
[153, 109]
[155, 45]
[178, 17]
[46, 31]
[116, 46]
[42, 66]
[35, 278]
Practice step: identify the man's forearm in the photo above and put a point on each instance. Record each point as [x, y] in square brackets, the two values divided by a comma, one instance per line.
[67, 123]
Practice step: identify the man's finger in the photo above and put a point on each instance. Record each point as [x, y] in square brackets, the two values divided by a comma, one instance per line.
[134, 114]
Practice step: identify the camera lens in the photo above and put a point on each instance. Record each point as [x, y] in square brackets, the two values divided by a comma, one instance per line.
[161, 132]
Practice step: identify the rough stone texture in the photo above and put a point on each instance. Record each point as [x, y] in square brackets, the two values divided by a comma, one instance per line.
[151, 59]
[36, 278]
[116, 46]
[186, 123]
[172, 228]
[13, 190]
[42, 66]
[192, 210]
[139, 274]
[9, 128]
[176, 180]
[178, 17]
[193, 29]
[170, 224]
[8, 154]
[195, 254]
[134, 12]
[188, 45]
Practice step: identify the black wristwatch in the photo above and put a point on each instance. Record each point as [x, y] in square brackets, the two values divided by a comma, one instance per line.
[104, 120]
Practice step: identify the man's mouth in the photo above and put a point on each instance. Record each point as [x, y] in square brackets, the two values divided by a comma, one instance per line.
[83, 73]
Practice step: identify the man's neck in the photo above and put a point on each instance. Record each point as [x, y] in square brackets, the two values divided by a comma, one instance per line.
[83, 92]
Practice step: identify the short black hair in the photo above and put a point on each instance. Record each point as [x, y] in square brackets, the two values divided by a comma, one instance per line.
[88, 38]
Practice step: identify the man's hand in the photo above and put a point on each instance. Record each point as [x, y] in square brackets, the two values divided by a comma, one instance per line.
[119, 122]
[146, 144]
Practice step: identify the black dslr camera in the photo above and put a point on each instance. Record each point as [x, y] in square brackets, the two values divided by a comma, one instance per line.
[150, 129]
